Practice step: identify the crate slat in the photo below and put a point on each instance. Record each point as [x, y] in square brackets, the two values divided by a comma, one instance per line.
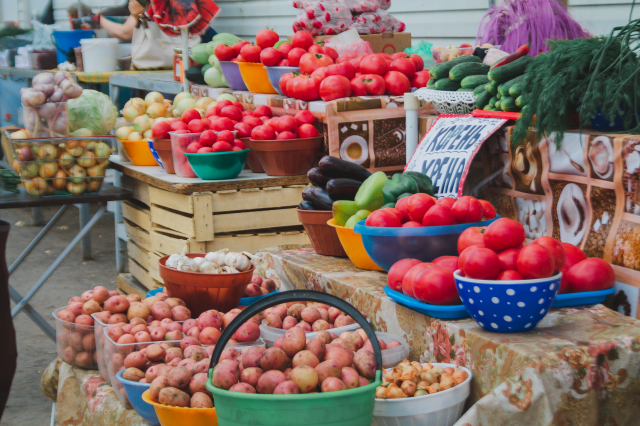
[137, 215]
[137, 234]
[137, 253]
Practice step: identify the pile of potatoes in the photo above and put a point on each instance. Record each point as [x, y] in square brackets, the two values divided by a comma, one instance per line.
[410, 379]
[326, 363]
[309, 316]
[259, 286]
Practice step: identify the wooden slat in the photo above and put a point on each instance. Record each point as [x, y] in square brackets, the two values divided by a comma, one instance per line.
[7, 146]
[138, 254]
[169, 244]
[173, 220]
[137, 215]
[127, 284]
[256, 199]
[242, 221]
[154, 268]
[202, 211]
[137, 234]
[171, 200]
[256, 242]
[139, 189]
[141, 274]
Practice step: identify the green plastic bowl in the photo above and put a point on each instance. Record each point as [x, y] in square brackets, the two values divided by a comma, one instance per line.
[218, 165]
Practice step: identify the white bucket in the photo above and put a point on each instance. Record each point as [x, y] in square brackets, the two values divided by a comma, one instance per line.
[99, 54]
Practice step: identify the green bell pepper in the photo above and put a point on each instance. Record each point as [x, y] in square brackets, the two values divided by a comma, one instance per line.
[361, 215]
[397, 185]
[388, 206]
[423, 181]
[342, 210]
[369, 196]
[406, 194]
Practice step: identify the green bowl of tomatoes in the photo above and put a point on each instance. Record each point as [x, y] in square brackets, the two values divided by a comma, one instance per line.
[218, 165]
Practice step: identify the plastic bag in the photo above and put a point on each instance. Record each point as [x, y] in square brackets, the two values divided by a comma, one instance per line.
[376, 23]
[322, 17]
[43, 36]
[422, 49]
[360, 48]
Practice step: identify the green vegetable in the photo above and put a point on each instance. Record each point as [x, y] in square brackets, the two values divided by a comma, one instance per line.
[398, 184]
[507, 85]
[492, 101]
[360, 215]
[369, 196]
[507, 103]
[517, 88]
[446, 84]
[194, 74]
[388, 206]
[431, 84]
[406, 194]
[463, 70]
[498, 96]
[226, 38]
[511, 70]
[205, 67]
[479, 89]
[9, 181]
[280, 42]
[482, 99]
[474, 81]
[342, 210]
[464, 90]
[442, 70]
[199, 53]
[214, 78]
[489, 108]
[425, 185]
[497, 106]
[491, 89]
[521, 101]
[92, 110]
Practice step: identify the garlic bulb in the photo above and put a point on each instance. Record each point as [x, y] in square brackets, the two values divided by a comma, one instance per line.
[208, 267]
[198, 261]
[189, 266]
[228, 270]
[239, 261]
[172, 261]
[216, 256]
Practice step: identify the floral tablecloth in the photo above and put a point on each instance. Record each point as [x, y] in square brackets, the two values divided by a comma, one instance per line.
[579, 366]
[82, 397]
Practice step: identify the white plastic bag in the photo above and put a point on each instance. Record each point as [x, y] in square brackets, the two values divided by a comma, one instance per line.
[43, 36]
[322, 17]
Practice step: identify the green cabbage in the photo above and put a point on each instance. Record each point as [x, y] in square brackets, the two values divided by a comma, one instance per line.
[93, 111]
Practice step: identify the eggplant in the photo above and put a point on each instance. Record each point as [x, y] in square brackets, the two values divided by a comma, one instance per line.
[318, 197]
[343, 189]
[317, 178]
[338, 168]
[306, 205]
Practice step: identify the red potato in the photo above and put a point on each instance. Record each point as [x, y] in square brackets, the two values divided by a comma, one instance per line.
[138, 310]
[91, 307]
[135, 360]
[89, 342]
[189, 324]
[174, 301]
[198, 383]
[251, 375]
[252, 290]
[201, 366]
[294, 341]
[174, 397]
[248, 332]
[256, 279]
[187, 363]
[155, 353]
[173, 335]
[393, 344]
[243, 388]
[68, 355]
[153, 372]
[278, 342]
[274, 359]
[130, 297]
[100, 294]
[194, 332]
[138, 321]
[269, 380]
[75, 299]
[151, 300]
[324, 314]
[320, 325]
[173, 326]
[138, 327]
[117, 304]
[332, 384]
[173, 353]
[180, 313]
[225, 374]
[75, 341]
[289, 322]
[334, 313]
[367, 345]
[353, 338]
[228, 317]
[317, 347]
[160, 310]
[343, 320]
[84, 360]
[229, 353]
[179, 377]
[209, 336]
[133, 374]
[126, 339]
[305, 357]
[365, 363]
[349, 377]
[157, 334]
[196, 353]
[287, 387]
[305, 377]
[200, 400]
[296, 311]
[115, 332]
[75, 308]
[304, 326]
[310, 314]
[273, 320]
[325, 336]
[86, 296]
[269, 284]
[66, 315]
[339, 354]
[142, 337]
[280, 310]
[117, 318]
[251, 357]
[157, 385]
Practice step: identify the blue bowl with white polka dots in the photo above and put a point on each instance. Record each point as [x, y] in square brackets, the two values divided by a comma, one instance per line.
[507, 306]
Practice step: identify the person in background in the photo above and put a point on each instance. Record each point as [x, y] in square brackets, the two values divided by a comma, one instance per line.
[8, 349]
[123, 32]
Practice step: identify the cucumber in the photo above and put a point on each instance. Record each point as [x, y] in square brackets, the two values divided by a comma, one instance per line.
[467, 69]
[492, 101]
[521, 101]
[482, 99]
[517, 88]
[509, 71]
[446, 84]
[462, 89]
[489, 108]
[479, 89]
[489, 88]
[431, 84]
[504, 87]
[498, 96]
[472, 81]
[507, 103]
[497, 106]
[442, 70]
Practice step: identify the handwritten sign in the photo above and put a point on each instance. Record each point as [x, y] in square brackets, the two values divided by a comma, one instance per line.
[446, 151]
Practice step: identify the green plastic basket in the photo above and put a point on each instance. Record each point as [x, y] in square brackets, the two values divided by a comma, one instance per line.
[352, 407]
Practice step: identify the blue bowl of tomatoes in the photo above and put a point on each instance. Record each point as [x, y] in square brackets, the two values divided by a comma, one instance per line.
[506, 306]
[276, 73]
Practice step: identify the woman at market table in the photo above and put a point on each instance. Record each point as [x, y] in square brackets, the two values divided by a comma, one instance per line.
[123, 32]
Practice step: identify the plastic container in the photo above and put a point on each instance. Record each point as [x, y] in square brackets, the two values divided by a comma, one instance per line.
[202, 292]
[252, 159]
[255, 78]
[163, 148]
[177, 416]
[435, 311]
[99, 54]
[324, 238]
[394, 356]
[50, 120]
[179, 144]
[44, 59]
[134, 391]
[154, 153]
[100, 328]
[231, 73]
[388, 245]
[275, 73]
[579, 299]
[438, 409]
[352, 407]
[271, 334]
[218, 165]
[76, 344]
[139, 153]
[246, 301]
[352, 245]
[79, 64]
[287, 157]
[66, 41]
[444, 55]
[507, 306]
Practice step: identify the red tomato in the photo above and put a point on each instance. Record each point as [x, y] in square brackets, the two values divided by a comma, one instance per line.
[404, 66]
[286, 135]
[509, 275]
[262, 111]
[397, 83]
[504, 233]
[309, 62]
[204, 150]
[374, 64]
[181, 132]
[208, 138]
[401, 206]
[356, 63]
[368, 85]
[224, 52]
[398, 271]
[345, 69]
[555, 248]
[211, 113]
[225, 136]
[482, 264]
[284, 63]
[565, 282]
[237, 143]
[193, 147]
[488, 211]
[286, 123]
[320, 73]
[272, 122]
[407, 281]
[251, 53]
[395, 212]
[534, 261]
[302, 40]
[252, 121]
[265, 119]
[237, 47]
[206, 121]
[270, 57]
[263, 133]
[465, 253]
[385, 56]
[438, 215]
[222, 147]
[447, 262]
[435, 285]
[191, 114]
[467, 210]
[231, 112]
[418, 62]
[508, 259]
[304, 117]
[283, 82]
[573, 255]
[418, 205]
[399, 55]
[179, 125]
[221, 104]
[591, 274]
[330, 52]
[266, 38]
[284, 49]
[244, 131]
[306, 88]
[420, 79]
[222, 123]
[470, 236]
[335, 87]
[315, 48]
[307, 131]
[294, 56]
[449, 202]
[161, 129]
[412, 224]
[344, 58]
[383, 218]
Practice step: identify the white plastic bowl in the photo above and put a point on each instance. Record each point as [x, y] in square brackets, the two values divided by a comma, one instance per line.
[271, 334]
[394, 356]
[438, 409]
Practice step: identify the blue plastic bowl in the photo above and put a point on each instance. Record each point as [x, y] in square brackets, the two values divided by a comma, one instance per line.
[274, 74]
[579, 299]
[134, 392]
[435, 311]
[507, 306]
[246, 301]
[154, 291]
[154, 152]
[386, 246]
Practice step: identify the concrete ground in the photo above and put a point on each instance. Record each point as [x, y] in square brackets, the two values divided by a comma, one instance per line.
[27, 405]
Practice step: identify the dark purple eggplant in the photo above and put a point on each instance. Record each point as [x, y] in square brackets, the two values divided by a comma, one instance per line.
[317, 178]
[338, 168]
[343, 189]
[306, 205]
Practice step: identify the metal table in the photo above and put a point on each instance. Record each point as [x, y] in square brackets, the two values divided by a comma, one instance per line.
[22, 199]
[162, 82]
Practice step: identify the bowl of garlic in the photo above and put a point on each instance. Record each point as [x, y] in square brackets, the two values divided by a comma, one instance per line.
[215, 280]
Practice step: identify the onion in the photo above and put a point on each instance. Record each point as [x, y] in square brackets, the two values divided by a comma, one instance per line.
[43, 78]
[76, 188]
[47, 152]
[153, 97]
[32, 98]
[77, 174]
[46, 89]
[28, 170]
[65, 159]
[96, 171]
[60, 180]
[48, 169]
[94, 184]
[87, 160]
[24, 154]
[61, 76]
[130, 113]
[74, 148]
[36, 187]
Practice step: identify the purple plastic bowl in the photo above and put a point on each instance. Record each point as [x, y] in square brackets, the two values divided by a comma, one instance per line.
[231, 73]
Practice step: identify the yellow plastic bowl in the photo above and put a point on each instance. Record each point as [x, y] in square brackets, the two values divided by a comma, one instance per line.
[255, 78]
[139, 153]
[181, 416]
[352, 245]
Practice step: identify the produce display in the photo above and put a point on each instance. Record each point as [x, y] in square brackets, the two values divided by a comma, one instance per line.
[259, 286]
[285, 127]
[143, 114]
[218, 262]
[306, 315]
[444, 54]
[208, 71]
[504, 90]
[412, 379]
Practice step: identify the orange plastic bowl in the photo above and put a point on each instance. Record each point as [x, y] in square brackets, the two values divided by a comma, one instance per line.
[202, 292]
[139, 153]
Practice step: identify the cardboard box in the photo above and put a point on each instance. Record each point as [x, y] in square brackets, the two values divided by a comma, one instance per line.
[381, 43]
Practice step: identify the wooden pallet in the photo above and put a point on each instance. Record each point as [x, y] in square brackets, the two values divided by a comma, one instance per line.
[128, 284]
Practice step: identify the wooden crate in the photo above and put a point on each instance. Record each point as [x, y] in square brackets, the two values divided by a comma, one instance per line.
[137, 234]
[128, 284]
[137, 213]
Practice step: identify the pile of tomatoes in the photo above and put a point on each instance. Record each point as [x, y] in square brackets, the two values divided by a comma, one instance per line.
[287, 127]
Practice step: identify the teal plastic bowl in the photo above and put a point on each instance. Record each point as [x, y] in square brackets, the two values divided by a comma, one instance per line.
[218, 165]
